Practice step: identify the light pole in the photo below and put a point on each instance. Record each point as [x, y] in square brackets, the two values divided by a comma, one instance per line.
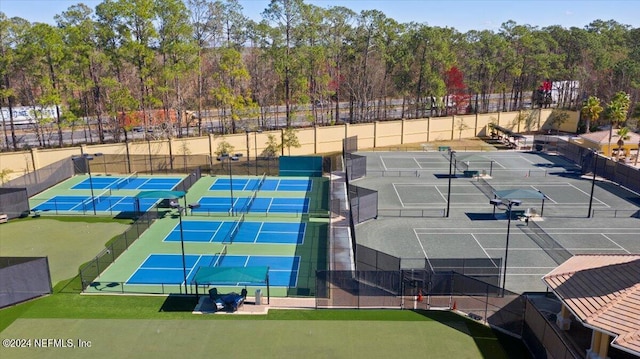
[509, 203]
[451, 153]
[184, 263]
[593, 181]
[228, 158]
[88, 158]
[255, 147]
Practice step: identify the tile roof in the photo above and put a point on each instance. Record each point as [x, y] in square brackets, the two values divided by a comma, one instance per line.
[603, 291]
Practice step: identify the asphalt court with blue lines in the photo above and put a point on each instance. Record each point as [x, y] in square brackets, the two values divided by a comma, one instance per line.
[252, 184]
[102, 204]
[168, 268]
[259, 205]
[248, 232]
[125, 183]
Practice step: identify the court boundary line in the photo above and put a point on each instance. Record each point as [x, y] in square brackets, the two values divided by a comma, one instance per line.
[614, 242]
[587, 194]
[423, 250]
[413, 204]
[297, 271]
[484, 250]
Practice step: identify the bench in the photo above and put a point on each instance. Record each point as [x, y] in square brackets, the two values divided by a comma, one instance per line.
[444, 148]
[516, 214]
[470, 173]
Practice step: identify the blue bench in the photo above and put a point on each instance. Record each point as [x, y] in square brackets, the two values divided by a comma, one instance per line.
[470, 173]
[443, 148]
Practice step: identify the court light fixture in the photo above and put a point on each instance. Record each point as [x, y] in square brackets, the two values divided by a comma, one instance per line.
[451, 153]
[593, 180]
[184, 263]
[88, 158]
[508, 203]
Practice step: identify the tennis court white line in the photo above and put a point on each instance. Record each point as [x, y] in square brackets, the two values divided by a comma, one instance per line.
[529, 274]
[423, 251]
[255, 238]
[442, 195]
[525, 159]
[498, 163]
[614, 242]
[594, 197]
[398, 194]
[416, 161]
[542, 250]
[485, 252]
[383, 164]
[545, 195]
[470, 230]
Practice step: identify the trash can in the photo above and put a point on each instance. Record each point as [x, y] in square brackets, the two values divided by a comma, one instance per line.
[258, 297]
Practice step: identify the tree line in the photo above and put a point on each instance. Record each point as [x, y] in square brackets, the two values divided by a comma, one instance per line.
[176, 64]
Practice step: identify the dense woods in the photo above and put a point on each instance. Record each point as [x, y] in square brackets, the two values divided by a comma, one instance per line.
[175, 66]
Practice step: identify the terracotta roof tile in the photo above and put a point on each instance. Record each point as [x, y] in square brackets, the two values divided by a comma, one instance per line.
[603, 291]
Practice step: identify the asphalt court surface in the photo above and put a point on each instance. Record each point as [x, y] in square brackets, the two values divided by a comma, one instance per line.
[255, 205]
[412, 181]
[248, 232]
[168, 268]
[252, 184]
[129, 183]
[101, 203]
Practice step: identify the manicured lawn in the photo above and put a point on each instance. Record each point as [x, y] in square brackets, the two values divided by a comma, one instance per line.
[152, 327]
[67, 241]
[163, 327]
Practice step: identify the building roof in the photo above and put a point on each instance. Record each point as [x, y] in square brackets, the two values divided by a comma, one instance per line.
[602, 137]
[603, 292]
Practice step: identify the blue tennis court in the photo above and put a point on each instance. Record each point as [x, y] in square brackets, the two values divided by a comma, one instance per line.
[247, 232]
[129, 183]
[168, 269]
[250, 205]
[102, 204]
[252, 184]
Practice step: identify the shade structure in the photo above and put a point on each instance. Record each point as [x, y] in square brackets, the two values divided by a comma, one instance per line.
[161, 194]
[522, 193]
[232, 276]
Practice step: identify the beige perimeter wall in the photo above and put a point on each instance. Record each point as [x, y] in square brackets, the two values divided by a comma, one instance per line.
[312, 140]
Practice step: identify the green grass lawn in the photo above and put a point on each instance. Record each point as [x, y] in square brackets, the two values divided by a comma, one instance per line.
[163, 327]
[152, 327]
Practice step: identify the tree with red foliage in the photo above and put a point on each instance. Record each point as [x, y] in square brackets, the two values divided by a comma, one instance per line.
[458, 98]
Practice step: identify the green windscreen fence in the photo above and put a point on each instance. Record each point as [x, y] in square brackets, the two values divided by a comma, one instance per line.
[303, 166]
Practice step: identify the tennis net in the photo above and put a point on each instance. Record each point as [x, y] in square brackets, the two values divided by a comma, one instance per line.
[221, 255]
[553, 249]
[485, 187]
[103, 196]
[247, 207]
[125, 181]
[89, 203]
[261, 182]
[462, 166]
[234, 231]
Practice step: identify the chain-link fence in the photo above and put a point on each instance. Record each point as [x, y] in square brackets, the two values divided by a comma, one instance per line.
[43, 178]
[90, 271]
[165, 165]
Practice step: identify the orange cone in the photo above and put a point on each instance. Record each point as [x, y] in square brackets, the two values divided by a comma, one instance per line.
[420, 295]
[455, 306]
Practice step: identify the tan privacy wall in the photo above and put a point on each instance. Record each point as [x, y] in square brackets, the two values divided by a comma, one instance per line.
[312, 140]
